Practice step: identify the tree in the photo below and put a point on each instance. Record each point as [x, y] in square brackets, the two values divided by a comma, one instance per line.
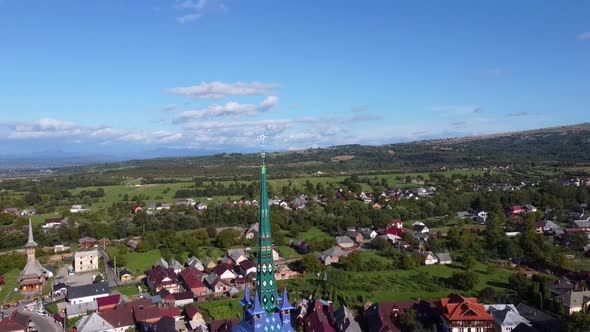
[409, 322]
[579, 241]
[578, 322]
[310, 263]
[469, 262]
[487, 295]
[464, 280]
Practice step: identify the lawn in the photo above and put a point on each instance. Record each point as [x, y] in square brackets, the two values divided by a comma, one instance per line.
[223, 309]
[287, 252]
[355, 288]
[313, 233]
[130, 290]
[10, 282]
[138, 262]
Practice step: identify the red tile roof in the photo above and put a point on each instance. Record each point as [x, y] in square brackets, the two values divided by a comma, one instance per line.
[171, 312]
[108, 300]
[192, 278]
[191, 311]
[159, 273]
[457, 307]
[394, 231]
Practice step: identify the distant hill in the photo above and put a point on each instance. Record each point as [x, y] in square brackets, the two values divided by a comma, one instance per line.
[558, 146]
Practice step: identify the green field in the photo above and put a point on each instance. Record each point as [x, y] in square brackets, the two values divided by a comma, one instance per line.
[313, 233]
[10, 282]
[137, 262]
[224, 309]
[130, 290]
[355, 288]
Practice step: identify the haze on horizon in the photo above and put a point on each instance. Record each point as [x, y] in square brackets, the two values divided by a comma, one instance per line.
[122, 78]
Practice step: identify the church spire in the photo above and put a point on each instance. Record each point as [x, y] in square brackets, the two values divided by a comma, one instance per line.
[265, 271]
[31, 242]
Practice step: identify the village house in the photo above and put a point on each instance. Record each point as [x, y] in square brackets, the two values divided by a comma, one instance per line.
[464, 314]
[17, 322]
[175, 266]
[195, 263]
[344, 242]
[506, 317]
[574, 301]
[87, 293]
[191, 280]
[344, 320]
[93, 323]
[160, 278]
[132, 244]
[216, 285]
[356, 236]
[85, 261]
[86, 242]
[125, 275]
[252, 231]
[107, 302]
[237, 255]
[383, 316]
[331, 255]
[444, 258]
[12, 210]
[78, 209]
[283, 272]
[301, 247]
[514, 210]
[51, 223]
[246, 268]
[224, 272]
[430, 258]
[209, 263]
[368, 233]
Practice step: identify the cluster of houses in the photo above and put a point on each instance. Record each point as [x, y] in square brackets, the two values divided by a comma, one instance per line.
[96, 308]
[208, 278]
[155, 207]
[18, 212]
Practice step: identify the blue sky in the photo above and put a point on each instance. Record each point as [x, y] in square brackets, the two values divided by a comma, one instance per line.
[129, 76]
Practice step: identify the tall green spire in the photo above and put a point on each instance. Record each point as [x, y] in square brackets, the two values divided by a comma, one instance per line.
[265, 269]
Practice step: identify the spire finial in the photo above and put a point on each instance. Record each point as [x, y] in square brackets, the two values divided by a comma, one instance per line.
[262, 139]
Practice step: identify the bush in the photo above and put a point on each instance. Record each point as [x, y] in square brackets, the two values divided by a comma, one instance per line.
[464, 280]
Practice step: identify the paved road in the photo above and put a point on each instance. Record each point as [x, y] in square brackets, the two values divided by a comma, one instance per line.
[111, 276]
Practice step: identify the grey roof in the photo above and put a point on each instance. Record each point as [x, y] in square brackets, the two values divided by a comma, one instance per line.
[539, 317]
[574, 299]
[196, 263]
[582, 224]
[93, 323]
[175, 265]
[236, 253]
[444, 256]
[334, 251]
[344, 239]
[75, 292]
[345, 320]
[508, 317]
[80, 308]
[124, 272]
[162, 262]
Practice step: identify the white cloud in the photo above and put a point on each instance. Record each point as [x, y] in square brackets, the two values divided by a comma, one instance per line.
[218, 90]
[584, 35]
[167, 108]
[228, 109]
[195, 9]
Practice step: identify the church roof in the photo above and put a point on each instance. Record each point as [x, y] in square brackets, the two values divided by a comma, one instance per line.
[31, 242]
[33, 269]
